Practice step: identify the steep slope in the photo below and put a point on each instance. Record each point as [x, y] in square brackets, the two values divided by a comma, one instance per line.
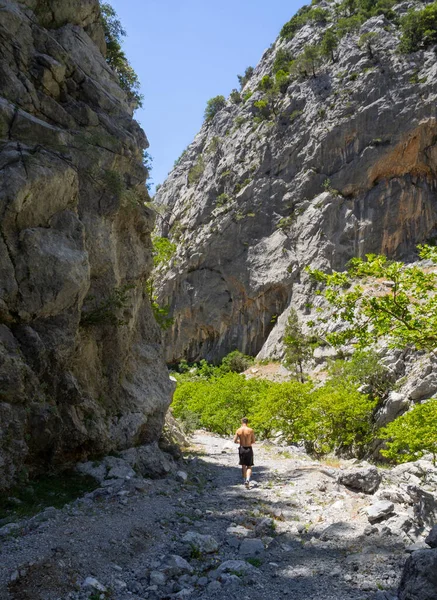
[333, 166]
[81, 369]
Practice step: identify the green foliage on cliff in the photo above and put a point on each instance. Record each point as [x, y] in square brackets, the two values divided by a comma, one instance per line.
[298, 346]
[377, 297]
[243, 79]
[163, 251]
[213, 106]
[413, 434]
[419, 28]
[115, 56]
[302, 17]
[196, 171]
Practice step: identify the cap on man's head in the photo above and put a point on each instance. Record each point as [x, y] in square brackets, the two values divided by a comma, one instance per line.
[245, 421]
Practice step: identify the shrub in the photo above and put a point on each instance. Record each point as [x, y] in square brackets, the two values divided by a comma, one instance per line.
[282, 81]
[247, 95]
[338, 418]
[236, 362]
[115, 56]
[262, 109]
[219, 402]
[265, 84]
[366, 42]
[282, 61]
[413, 434]
[213, 106]
[364, 368]
[303, 16]
[196, 171]
[295, 114]
[282, 409]
[235, 97]
[180, 159]
[297, 346]
[329, 44]
[222, 199]
[419, 28]
[243, 79]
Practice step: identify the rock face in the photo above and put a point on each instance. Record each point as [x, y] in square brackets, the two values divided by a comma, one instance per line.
[81, 369]
[419, 578]
[365, 480]
[346, 165]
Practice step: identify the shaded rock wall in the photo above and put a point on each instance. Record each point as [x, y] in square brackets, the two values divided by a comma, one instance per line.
[345, 165]
[81, 370]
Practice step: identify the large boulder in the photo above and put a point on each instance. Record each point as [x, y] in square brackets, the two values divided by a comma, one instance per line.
[419, 578]
[365, 480]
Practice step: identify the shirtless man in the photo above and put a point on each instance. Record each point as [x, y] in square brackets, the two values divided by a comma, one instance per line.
[245, 437]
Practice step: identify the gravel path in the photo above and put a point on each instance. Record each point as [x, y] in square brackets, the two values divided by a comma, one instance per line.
[295, 534]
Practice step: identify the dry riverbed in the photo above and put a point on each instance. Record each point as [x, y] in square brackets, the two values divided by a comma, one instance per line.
[198, 533]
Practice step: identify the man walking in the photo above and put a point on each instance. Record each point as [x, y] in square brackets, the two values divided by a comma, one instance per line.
[245, 437]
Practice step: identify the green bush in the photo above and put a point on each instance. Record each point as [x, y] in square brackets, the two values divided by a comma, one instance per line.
[222, 199]
[282, 61]
[282, 81]
[303, 16]
[196, 171]
[262, 109]
[282, 409]
[419, 28]
[213, 106]
[413, 434]
[115, 56]
[329, 44]
[338, 418]
[235, 97]
[265, 84]
[243, 79]
[364, 368]
[236, 362]
[219, 403]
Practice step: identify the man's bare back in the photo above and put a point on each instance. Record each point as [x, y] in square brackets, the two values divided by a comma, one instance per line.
[245, 436]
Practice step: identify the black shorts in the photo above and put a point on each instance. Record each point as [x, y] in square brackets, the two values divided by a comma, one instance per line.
[246, 456]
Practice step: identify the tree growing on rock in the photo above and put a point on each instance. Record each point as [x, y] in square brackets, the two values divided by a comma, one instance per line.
[213, 106]
[329, 44]
[298, 347]
[115, 57]
[378, 298]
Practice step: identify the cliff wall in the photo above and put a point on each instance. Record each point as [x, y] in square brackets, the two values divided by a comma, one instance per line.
[343, 164]
[81, 367]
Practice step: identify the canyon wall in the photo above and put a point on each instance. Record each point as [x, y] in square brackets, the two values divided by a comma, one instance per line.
[345, 164]
[81, 366]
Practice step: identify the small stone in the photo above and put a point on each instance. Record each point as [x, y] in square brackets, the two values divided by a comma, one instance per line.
[181, 476]
[252, 548]
[157, 578]
[93, 584]
[202, 543]
[214, 586]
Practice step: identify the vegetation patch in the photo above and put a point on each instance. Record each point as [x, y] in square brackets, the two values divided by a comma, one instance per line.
[45, 491]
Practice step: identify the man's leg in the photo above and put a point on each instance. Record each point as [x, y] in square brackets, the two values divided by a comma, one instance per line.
[248, 472]
[244, 471]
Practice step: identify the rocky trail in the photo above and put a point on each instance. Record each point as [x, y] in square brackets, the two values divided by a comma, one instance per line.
[198, 533]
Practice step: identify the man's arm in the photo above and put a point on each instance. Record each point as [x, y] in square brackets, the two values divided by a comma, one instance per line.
[253, 440]
[236, 438]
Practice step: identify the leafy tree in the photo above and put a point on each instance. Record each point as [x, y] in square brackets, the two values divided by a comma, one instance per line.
[377, 297]
[413, 434]
[265, 84]
[115, 56]
[338, 418]
[366, 41]
[213, 106]
[243, 79]
[282, 81]
[282, 409]
[219, 402]
[163, 251]
[282, 60]
[329, 44]
[419, 28]
[364, 368]
[235, 97]
[297, 346]
[263, 110]
[236, 362]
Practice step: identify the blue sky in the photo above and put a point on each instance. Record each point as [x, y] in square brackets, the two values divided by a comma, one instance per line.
[187, 52]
